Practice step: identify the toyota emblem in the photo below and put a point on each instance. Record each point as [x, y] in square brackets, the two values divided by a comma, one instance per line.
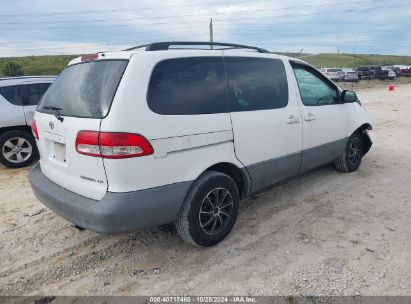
[51, 125]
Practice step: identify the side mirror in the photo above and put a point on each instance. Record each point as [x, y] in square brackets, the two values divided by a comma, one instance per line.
[348, 96]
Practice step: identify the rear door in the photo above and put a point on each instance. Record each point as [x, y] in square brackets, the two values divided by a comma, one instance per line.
[11, 108]
[265, 117]
[325, 119]
[77, 100]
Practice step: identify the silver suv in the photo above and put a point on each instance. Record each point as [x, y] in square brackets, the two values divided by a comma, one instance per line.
[19, 97]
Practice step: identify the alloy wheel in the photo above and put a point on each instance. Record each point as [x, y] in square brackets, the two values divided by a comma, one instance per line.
[354, 151]
[17, 150]
[216, 211]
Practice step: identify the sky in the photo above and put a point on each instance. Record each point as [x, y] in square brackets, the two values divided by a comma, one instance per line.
[50, 27]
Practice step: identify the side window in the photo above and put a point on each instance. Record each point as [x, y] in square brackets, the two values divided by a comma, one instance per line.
[256, 83]
[314, 91]
[12, 94]
[34, 93]
[185, 86]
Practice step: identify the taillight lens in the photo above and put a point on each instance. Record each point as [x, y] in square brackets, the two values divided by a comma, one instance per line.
[112, 144]
[34, 129]
[87, 143]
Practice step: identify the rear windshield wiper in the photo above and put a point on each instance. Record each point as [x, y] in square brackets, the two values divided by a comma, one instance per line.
[57, 112]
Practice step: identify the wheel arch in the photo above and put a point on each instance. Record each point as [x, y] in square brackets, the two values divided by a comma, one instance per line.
[24, 128]
[239, 175]
[366, 139]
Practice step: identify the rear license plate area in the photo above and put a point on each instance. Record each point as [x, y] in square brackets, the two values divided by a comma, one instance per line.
[56, 147]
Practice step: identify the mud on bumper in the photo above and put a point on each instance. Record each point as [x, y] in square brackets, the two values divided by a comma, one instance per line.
[115, 212]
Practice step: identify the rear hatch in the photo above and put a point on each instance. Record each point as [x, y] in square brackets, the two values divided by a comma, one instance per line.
[78, 100]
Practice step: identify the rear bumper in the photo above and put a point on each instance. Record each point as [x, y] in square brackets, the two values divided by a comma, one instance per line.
[115, 212]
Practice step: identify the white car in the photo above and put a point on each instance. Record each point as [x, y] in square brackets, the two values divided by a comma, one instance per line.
[154, 135]
[349, 75]
[391, 73]
[334, 74]
[18, 101]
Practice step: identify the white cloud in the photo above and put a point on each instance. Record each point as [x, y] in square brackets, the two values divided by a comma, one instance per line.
[318, 26]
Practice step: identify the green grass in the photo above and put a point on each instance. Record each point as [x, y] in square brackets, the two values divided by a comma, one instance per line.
[53, 65]
[39, 65]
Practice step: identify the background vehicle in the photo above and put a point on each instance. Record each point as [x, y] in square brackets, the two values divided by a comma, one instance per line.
[395, 69]
[405, 71]
[349, 75]
[379, 73]
[154, 135]
[18, 101]
[334, 74]
[364, 73]
[391, 74]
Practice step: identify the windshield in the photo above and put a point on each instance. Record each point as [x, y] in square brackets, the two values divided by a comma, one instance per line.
[84, 89]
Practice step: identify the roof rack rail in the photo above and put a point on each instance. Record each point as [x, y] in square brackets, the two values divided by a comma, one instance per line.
[28, 76]
[163, 46]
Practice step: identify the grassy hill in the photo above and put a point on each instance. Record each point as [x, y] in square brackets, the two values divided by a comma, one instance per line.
[347, 60]
[39, 65]
[53, 65]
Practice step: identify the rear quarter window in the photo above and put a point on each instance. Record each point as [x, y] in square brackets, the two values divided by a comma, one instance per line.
[256, 83]
[12, 94]
[187, 86]
[34, 93]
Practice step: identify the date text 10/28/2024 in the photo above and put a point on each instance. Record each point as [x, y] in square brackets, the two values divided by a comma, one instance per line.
[203, 299]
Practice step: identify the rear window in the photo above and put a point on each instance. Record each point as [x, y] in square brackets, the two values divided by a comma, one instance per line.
[256, 83]
[334, 70]
[85, 89]
[185, 86]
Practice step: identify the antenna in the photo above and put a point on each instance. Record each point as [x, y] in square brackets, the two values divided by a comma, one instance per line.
[211, 33]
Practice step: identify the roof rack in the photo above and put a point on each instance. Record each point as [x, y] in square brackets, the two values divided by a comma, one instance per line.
[163, 46]
[30, 76]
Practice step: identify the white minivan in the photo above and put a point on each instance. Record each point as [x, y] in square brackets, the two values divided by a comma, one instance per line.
[170, 133]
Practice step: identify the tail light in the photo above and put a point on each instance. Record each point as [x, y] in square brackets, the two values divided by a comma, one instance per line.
[34, 129]
[112, 144]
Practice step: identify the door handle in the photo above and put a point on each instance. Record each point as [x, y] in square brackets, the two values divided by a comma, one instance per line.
[292, 120]
[309, 117]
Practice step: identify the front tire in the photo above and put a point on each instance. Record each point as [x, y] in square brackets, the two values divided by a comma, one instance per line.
[210, 210]
[350, 160]
[17, 149]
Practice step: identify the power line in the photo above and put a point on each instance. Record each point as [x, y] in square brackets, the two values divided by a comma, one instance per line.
[88, 25]
[163, 7]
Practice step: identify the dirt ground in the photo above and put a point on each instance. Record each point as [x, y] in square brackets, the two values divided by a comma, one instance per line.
[323, 233]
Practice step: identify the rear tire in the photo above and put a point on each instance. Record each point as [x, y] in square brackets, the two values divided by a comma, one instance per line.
[210, 210]
[17, 149]
[350, 160]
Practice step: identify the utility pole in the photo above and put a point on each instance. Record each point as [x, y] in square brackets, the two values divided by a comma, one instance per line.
[338, 58]
[355, 50]
[211, 33]
[353, 63]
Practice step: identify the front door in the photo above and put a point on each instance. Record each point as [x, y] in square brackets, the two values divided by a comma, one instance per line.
[325, 118]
